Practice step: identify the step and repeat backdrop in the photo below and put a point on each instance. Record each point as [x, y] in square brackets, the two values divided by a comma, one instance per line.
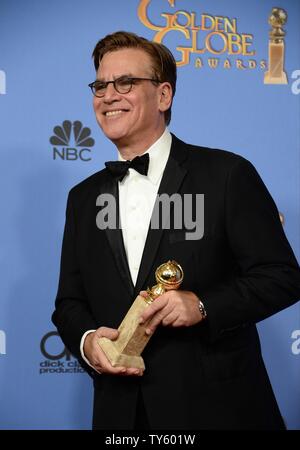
[238, 90]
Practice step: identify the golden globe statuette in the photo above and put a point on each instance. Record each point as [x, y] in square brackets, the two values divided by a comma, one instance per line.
[276, 73]
[127, 348]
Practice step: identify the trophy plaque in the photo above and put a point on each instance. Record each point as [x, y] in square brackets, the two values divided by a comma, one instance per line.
[127, 348]
[276, 73]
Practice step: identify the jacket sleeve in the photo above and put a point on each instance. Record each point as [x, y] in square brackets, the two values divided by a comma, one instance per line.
[72, 315]
[268, 277]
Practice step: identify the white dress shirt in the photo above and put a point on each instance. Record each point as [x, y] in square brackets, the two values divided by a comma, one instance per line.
[137, 195]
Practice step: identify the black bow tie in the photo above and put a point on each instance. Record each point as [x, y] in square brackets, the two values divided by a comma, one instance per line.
[118, 169]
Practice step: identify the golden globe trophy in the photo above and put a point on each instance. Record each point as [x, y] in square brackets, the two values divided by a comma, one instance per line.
[127, 348]
[276, 73]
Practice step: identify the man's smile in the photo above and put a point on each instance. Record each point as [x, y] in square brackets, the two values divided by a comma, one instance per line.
[115, 112]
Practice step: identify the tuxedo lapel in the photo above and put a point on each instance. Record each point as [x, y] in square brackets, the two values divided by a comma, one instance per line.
[115, 236]
[171, 181]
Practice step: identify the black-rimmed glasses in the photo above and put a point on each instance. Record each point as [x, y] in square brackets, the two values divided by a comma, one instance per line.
[122, 85]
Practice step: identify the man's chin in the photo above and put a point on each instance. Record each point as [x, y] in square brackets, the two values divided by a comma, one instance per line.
[116, 137]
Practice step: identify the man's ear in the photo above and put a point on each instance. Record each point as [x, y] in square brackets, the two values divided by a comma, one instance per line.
[165, 98]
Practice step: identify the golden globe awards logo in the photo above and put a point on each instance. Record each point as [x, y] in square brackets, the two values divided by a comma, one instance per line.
[72, 141]
[203, 35]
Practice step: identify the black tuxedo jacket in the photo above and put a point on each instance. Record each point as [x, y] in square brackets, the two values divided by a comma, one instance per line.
[210, 375]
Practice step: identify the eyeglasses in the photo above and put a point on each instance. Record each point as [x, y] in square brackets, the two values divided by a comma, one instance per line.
[122, 85]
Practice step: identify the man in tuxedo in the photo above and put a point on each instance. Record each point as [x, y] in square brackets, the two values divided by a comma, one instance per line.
[204, 368]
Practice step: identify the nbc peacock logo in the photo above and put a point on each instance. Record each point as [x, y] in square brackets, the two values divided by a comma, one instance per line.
[72, 141]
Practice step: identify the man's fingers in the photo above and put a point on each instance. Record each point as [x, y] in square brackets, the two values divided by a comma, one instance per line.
[109, 333]
[170, 319]
[144, 294]
[134, 371]
[108, 368]
[103, 365]
[149, 312]
[157, 319]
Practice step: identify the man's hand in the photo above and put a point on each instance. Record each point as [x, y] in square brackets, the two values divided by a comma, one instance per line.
[173, 308]
[97, 357]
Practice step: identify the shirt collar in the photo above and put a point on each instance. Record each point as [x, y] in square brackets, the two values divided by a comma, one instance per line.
[158, 154]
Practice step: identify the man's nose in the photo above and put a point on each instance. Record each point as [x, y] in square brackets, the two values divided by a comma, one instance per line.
[110, 93]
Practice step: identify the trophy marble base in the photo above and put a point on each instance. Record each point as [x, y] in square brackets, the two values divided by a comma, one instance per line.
[120, 359]
[275, 80]
[126, 349]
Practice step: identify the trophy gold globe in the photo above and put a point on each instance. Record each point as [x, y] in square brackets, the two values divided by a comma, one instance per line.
[127, 348]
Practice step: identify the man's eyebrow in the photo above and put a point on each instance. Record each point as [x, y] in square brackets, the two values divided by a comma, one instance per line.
[129, 75]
